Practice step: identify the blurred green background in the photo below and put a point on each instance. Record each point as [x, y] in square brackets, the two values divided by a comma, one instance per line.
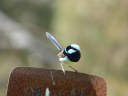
[100, 27]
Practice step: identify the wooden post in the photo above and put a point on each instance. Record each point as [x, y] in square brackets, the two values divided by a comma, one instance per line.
[28, 81]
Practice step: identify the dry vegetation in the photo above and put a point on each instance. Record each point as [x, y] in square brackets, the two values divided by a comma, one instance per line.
[98, 26]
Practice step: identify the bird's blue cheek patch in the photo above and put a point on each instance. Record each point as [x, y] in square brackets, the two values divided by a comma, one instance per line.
[70, 51]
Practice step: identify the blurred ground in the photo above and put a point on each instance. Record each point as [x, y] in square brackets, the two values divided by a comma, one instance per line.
[99, 27]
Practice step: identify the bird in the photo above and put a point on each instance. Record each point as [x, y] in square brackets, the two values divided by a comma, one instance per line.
[69, 54]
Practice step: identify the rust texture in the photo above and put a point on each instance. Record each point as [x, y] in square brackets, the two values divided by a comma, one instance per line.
[28, 81]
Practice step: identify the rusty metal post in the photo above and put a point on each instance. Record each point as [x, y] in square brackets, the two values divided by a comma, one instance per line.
[28, 81]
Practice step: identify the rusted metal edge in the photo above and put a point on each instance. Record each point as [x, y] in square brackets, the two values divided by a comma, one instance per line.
[29, 81]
